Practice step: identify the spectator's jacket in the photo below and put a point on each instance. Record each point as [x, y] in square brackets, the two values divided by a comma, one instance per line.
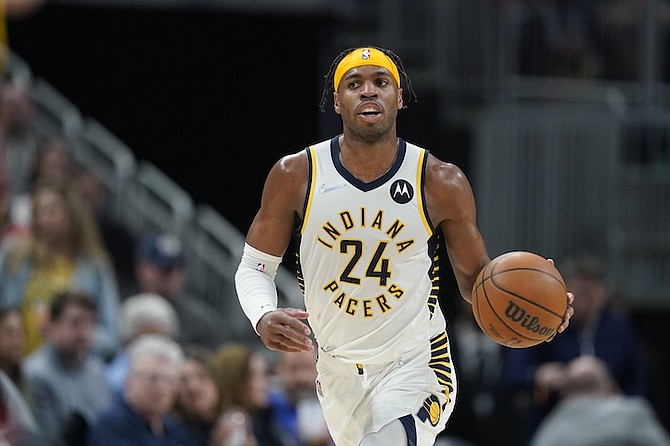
[90, 277]
[120, 425]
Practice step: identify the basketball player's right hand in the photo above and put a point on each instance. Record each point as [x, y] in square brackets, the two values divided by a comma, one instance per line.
[282, 330]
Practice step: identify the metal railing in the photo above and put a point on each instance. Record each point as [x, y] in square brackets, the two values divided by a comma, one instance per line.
[552, 166]
[560, 181]
[567, 181]
[145, 199]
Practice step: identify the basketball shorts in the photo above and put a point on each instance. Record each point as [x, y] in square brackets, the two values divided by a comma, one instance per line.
[418, 388]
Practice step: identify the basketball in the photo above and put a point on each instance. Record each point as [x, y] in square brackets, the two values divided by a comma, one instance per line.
[519, 299]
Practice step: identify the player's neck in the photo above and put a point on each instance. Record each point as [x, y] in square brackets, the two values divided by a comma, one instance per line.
[368, 161]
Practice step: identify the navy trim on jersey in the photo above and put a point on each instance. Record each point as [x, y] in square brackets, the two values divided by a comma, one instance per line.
[434, 272]
[358, 184]
[423, 189]
[310, 172]
[410, 428]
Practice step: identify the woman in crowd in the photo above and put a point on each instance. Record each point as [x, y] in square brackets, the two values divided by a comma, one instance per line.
[62, 251]
[12, 344]
[199, 399]
[52, 162]
[242, 376]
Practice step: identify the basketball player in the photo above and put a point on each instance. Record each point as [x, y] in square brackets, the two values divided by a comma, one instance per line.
[368, 207]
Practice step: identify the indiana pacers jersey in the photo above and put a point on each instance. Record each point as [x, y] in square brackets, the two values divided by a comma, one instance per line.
[367, 260]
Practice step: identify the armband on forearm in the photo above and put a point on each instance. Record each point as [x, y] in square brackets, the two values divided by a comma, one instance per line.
[254, 282]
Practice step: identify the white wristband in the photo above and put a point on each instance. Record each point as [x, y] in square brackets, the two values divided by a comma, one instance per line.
[254, 282]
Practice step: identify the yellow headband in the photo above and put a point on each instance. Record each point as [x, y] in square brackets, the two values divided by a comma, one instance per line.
[364, 56]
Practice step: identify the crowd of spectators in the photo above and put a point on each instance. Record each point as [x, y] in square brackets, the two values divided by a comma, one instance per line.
[100, 343]
[589, 39]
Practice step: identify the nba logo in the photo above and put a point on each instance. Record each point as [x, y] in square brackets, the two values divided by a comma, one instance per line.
[365, 55]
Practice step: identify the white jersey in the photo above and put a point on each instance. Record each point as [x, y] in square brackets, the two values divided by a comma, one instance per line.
[368, 258]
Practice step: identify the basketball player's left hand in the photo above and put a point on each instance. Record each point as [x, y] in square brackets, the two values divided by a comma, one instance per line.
[566, 317]
[569, 311]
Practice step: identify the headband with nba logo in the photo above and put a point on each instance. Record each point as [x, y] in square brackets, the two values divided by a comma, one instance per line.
[364, 56]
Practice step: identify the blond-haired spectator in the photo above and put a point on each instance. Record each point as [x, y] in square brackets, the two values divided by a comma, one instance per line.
[63, 251]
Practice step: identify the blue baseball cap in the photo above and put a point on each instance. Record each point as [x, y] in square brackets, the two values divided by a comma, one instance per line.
[162, 250]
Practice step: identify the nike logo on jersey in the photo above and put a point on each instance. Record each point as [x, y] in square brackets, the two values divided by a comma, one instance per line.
[327, 188]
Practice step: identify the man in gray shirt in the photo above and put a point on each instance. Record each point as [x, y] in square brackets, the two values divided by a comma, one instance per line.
[65, 383]
[593, 412]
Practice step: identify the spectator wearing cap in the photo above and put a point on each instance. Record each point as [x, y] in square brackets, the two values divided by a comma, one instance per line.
[160, 269]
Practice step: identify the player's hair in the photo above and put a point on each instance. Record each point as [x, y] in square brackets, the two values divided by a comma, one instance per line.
[329, 87]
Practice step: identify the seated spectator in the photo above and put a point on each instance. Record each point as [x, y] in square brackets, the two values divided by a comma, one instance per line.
[17, 424]
[65, 383]
[118, 240]
[19, 112]
[63, 251]
[199, 401]
[592, 411]
[140, 314]
[297, 418]
[597, 329]
[242, 377]
[556, 39]
[12, 344]
[141, 417]
[52, 162]
[160, 269]
[483, 413]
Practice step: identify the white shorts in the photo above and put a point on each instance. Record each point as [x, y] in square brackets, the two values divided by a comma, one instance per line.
[418, 388]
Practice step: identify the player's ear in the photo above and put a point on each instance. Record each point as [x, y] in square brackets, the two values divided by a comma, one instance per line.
[336, 102]
[400, 101]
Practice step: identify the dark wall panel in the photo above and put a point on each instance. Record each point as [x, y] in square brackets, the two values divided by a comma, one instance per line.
[213, 99]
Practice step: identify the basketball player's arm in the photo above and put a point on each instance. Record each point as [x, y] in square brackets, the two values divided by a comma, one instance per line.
[451, 206]
[267, 239]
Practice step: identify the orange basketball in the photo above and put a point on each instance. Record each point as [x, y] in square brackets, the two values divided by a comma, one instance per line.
[519, 299]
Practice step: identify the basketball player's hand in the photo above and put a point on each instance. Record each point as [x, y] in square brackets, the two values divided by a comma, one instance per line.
[282, 330]
[569, 311]
[566, 317]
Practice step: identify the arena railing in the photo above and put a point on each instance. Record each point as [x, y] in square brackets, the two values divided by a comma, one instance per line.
[145, 199]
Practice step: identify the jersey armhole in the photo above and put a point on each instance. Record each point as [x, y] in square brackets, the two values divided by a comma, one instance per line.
[311, 185]
[421, 196]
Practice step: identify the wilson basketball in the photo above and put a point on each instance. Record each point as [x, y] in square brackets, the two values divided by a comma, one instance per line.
[519, 299]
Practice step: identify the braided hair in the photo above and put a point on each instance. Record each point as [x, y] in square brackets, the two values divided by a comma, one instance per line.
[329, 87]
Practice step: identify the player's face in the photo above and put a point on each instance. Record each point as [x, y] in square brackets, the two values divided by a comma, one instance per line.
[368, 100]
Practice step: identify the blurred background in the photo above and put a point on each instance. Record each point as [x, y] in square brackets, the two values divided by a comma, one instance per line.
[558, 112]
